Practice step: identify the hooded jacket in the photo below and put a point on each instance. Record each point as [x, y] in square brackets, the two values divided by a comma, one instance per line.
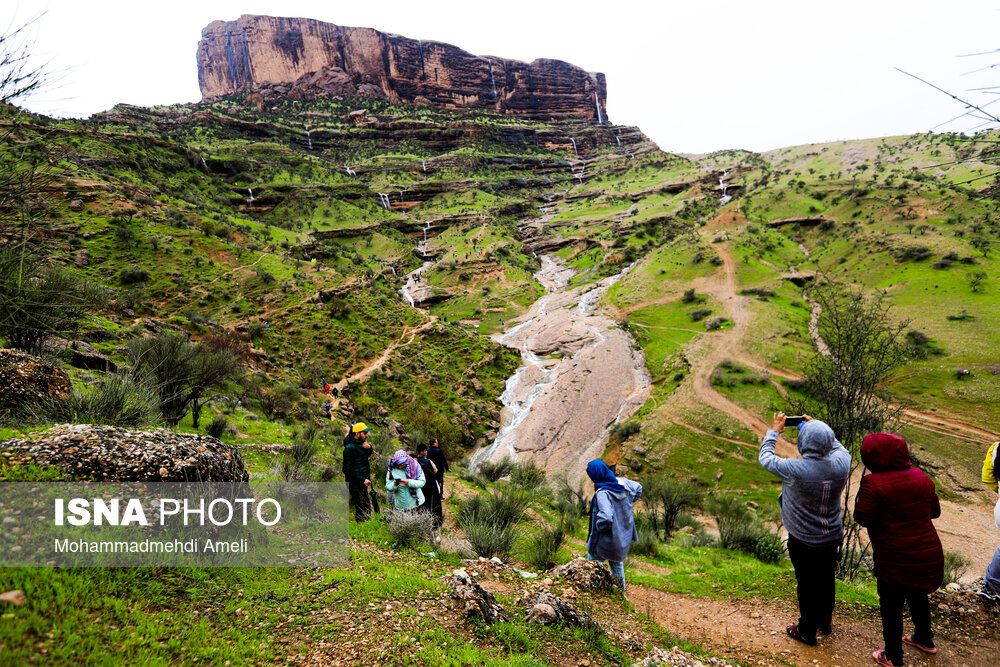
[612, 526]
[896, 503]
[811, 486]
[990, 469]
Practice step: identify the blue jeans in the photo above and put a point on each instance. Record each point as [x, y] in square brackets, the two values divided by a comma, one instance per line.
[617, 570]
[992, 578]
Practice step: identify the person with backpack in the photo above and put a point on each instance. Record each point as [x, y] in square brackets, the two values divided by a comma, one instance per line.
[436, 454]
[357, 470]
[432, 492]
[612, 526]
[404, 481]
[991, 473]
[896, 502]
[810, 511]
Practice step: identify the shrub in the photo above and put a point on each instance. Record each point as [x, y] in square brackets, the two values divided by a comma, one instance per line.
[527, 475]
[494, 470]
[118, 399]
[623, 431]
[648, 543]
[768, 548]
[410, 528]
[689, 296]
[739, 528]
[295, 467]
[700, 314]
[715, 323]
[540, 551]
[758, 291]
[955, 566]
[130, 276]
[217, 427]
[666, 497]
[961, 317]
[488, 539]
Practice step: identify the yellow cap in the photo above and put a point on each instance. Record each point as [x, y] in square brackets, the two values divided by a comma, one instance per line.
[360, 427]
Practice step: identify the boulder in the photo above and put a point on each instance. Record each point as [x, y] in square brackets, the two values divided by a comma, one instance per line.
[27, 382]
[80, 354]
[549, 608]
[109, 453]
[82, 259]
[16, 598]
[76, 205]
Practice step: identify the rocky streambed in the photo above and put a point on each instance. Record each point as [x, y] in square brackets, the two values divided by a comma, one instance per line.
[581, 374]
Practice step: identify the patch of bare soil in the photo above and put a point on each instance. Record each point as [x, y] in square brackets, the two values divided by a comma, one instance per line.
[753, 631]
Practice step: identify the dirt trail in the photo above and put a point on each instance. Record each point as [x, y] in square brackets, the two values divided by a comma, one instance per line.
[753, 631]
[370, 368]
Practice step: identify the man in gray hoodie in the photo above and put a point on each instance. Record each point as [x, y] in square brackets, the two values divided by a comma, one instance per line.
[810, 510]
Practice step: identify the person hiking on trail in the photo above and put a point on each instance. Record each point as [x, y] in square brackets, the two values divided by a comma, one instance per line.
[810, 511]
[991, 473]
[436, 454]
[896, 503]
[432, 490]
[328, 409]
[404, 480]
[326, 387]
[612, 525]
[357, 470]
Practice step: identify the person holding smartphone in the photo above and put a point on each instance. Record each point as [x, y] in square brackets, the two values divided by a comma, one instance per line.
[811, 488]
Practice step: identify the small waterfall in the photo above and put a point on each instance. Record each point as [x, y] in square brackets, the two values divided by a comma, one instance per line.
[203, 163]
[309, 138]
[350, 172]
[496, 98]
[423, 165]
[383, 200]
[574, 147]
[722, 184]
[618, 139]
[251, 194]
[600, 119]
[426, 227]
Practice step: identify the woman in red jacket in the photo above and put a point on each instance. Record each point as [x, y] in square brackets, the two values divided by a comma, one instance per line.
[896, 503]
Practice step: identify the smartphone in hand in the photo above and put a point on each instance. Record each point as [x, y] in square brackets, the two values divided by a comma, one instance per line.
[794, 420]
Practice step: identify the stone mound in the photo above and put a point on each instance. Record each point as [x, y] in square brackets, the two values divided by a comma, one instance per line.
[27, 382]
[549, 608]
[475, 600]
[109, 453]
[678, 658]
[587, 574]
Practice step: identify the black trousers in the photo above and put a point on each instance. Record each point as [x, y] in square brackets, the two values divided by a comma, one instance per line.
[815, 568]
[890, 605]
[361, 500]
[433, 497]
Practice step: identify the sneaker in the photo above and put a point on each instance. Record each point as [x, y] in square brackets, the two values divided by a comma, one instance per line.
[879, 657]
[926, 648]
[988, 595]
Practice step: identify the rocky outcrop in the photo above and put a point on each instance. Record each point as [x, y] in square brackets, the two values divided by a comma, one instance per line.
[474, 599]
[587, 574]
[303, 58]
[109, 453]
[549, 608]
[27, 382]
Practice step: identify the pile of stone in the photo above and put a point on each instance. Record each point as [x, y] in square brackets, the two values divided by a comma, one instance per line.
[549, 609]
[476, 601]
[678, 658]
[28, 383]
[109, 453]
[586, 574]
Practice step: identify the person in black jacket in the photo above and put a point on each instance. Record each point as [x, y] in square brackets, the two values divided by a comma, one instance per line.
[357, 471]
[436, 454]
[432, 491]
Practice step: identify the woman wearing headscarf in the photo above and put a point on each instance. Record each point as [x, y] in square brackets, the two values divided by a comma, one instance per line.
[612, 526]
[404, 480]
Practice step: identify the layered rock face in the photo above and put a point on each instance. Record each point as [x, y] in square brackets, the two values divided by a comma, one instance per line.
[303, 57]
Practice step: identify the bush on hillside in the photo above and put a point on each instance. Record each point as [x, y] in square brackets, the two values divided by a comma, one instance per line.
[955, 566]
[700, 314]
[741, 530]
[527, 475]
[494, 470]
[410, 528]
[490, 520]
[117, 399]
[666, 497]
[540, 551]
[217, 427]
[130, 276]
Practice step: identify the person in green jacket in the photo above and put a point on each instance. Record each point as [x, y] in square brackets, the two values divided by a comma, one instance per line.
[357, 471]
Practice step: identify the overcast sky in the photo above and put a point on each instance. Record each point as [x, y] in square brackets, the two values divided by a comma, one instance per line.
[696, 76]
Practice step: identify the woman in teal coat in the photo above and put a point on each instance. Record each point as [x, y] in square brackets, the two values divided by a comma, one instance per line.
[404, 480]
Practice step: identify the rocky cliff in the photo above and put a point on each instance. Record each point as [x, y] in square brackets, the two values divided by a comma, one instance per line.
[306, 58]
